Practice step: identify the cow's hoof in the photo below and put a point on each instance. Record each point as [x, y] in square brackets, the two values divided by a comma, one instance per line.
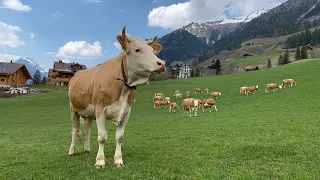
[72, 152]
[100, 164]
[86, 150]
[118, 163]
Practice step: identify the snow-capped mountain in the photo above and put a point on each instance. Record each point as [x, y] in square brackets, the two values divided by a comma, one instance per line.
[33, 66]
[213, 30]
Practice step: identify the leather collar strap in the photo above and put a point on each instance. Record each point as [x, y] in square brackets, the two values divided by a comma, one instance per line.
[125, 80]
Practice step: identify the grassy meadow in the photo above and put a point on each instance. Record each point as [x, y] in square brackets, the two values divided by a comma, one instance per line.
[262, 136]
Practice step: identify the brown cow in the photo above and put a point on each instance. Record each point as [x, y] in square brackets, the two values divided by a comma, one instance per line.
[159, 94]
[251, 89]
[206, 91]
[157, 98]
[190, 104]
[173, 107]
[272, 86]
[291, 82]
[158, 104]
[107, 91]
[242, 89]
[197, 91]
[215, 94]
[208, 103]
[188, 93]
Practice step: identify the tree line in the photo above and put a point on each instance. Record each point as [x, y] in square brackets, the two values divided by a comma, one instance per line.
[301, 53]
[37, 78]
[304, 38]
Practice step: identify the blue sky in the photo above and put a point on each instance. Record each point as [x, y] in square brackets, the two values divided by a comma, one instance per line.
[85, 31]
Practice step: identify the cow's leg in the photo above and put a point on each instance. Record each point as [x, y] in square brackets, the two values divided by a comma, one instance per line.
[88, 133]
[75, 131]
[119, 137]
[102, 137]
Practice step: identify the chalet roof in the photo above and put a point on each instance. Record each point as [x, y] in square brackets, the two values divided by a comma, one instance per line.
[10, 68]
[174, 63]
[63, 67]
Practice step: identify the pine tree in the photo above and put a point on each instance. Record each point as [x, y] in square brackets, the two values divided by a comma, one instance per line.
[297, 56]
[269, 64]
[36, 77]
[197, 72]
[304, 53]
[280, 60]
[286, 57]
[44, 80]
[217, 65]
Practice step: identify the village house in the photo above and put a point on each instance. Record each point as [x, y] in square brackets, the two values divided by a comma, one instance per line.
[181, 70]
[251, 68]
[62, 72]
[13, 74]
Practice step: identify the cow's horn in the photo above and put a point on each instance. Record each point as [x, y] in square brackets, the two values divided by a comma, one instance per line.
[152, 40]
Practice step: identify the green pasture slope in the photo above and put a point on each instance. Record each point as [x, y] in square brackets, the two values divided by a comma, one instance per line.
[262, 136]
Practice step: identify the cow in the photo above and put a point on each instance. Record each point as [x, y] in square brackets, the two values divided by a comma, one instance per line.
[166, 99]
[173, 107]
[107, 91]
[197, 91]
[188, 93]
[176, 92]
[190, 104]
[272, 86]
[178, 95]
[291, 82]
[208, 103]
[159, 94]
[158, 104]
[215, 94]
[157, 98]
[251, 89]
[206, 91]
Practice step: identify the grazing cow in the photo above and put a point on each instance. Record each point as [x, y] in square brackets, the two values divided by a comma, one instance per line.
[173, 107]
[158, 104]
[272, 86]
[188, 93]
[251, 89]
[242, 89]
[176, 92]
[190, 104]
[291, 82]
[197, 91]
[206, 91]
[159, 94]
[166, 99]
[178, 95]
[107, 91]
[157, 98]
[215, 94]
[208, 103]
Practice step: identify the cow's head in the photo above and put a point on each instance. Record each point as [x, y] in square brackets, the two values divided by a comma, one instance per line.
[142, 61]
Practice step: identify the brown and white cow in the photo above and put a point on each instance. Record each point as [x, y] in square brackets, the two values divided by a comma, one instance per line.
[272, 86]
[189, 105]
[188, 93]
[173, 107]
[291, 82]
[242, 89]
[197, 91]
[158, 104]
[251, 89]
[215, 94]
[206, 91]
[107, 91]
[176, 92]
[178, 95]
[157, 98]
[208, 103]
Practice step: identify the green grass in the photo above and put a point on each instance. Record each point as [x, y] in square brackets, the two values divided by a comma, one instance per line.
[262, 136]
[252, 60]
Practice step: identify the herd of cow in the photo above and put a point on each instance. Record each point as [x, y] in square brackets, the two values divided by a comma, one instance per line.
[108, 91]
[193, 104]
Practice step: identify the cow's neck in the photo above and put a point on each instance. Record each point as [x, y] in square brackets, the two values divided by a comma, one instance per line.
[130, 76]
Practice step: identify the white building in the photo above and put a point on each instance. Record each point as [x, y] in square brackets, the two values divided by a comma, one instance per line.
[182, 70]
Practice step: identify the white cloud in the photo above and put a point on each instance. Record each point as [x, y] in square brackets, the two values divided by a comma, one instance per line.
[15, 5]
[92, 1]
[123, 11]
[8, 57]
[8, 36]
[178, 15]
[66, 61]
[117, 45]
[80, 49]
[31, 35]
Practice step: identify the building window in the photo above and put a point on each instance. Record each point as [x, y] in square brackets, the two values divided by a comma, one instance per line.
[2, 80]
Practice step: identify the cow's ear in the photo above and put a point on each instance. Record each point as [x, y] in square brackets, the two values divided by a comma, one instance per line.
[156, 48]
[124, 43]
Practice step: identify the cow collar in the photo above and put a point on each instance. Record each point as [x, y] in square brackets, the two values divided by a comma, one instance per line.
[125, 79]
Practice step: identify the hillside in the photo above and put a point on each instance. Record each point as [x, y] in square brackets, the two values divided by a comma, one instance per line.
[262, 136]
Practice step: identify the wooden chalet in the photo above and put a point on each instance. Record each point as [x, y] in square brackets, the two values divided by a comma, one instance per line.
[62, 72]
[13, 74]
[251, 68]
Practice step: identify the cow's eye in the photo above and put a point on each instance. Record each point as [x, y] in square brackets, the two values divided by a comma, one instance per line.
[137, 50]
